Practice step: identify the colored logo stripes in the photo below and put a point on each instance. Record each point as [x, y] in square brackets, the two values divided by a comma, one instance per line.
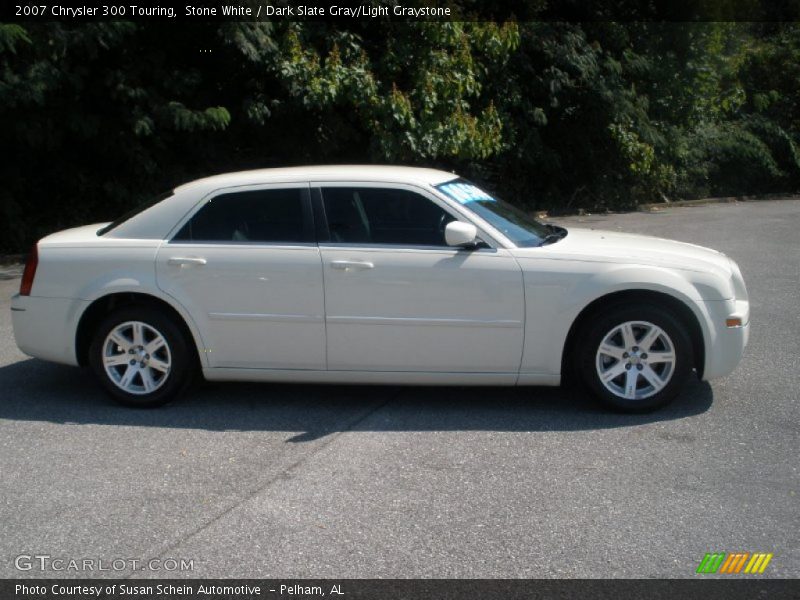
[734, 562]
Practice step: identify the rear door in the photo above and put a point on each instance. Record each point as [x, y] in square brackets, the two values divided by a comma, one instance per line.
[399, 299]
[247, 268]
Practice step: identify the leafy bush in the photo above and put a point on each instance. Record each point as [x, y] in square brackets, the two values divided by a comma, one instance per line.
[100, 116]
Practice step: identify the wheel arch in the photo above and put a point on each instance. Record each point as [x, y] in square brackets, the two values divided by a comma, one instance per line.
[104, 305]
[628, 297]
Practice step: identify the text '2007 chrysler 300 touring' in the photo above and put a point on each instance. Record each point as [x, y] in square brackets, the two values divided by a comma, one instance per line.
[368, 274]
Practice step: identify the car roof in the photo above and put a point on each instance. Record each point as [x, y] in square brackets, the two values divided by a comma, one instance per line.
[158, 220]
[393, 174]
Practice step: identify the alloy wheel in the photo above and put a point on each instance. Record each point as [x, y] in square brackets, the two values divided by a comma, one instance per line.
[635, 360]
[136, 357]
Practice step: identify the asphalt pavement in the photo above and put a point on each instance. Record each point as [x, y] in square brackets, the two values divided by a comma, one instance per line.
[284, 481]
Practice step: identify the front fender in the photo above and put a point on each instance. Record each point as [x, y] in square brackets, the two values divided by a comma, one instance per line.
[554, 301]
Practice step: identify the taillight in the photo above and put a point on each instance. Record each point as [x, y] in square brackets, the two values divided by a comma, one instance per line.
[30, 272]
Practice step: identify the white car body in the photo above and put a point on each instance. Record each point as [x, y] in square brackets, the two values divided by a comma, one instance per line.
[372, 313]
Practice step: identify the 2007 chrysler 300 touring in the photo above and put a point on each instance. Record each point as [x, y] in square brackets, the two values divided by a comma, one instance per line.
[374, 275]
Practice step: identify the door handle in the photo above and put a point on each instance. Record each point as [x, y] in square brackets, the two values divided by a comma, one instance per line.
[186, 261]
[351, 265]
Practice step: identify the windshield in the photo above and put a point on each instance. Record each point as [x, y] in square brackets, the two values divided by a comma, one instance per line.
[132, 213]
[523, 230]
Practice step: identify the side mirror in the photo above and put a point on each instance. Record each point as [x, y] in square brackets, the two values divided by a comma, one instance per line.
[458, 233]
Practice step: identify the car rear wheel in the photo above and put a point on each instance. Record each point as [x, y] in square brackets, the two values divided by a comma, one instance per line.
[636, 359]
[140, 357]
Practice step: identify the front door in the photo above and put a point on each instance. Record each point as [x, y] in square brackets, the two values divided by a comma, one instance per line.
[397, 298]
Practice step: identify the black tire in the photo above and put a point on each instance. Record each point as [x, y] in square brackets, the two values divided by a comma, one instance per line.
[596, 331]
[180, 358]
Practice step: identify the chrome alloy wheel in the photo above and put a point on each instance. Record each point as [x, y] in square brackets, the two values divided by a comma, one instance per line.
[136, 357]
[635, 360]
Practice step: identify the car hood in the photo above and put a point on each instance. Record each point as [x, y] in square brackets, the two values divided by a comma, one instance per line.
[611, 246]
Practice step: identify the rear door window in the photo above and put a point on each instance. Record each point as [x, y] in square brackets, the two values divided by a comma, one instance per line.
[257, 216]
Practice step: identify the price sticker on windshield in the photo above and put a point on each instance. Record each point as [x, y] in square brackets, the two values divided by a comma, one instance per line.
[466, 192]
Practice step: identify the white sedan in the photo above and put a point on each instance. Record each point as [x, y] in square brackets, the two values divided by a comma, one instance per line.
[365, 274]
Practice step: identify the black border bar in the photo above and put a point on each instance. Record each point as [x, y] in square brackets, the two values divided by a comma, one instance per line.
[399, 589]
[83, 11]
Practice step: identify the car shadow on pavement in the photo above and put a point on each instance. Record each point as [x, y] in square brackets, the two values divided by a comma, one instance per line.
[33, 390]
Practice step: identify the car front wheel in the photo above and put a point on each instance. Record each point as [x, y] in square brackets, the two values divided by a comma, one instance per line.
[636, 358]
[140, 357]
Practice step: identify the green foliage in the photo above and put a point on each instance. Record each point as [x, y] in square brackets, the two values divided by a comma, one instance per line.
[97, 117]
[418, 100]
[11, 36]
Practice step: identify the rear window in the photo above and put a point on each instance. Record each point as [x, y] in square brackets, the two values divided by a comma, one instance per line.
[133, 212]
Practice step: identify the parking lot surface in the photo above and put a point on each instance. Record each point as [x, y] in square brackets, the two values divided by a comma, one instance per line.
[259, 480]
